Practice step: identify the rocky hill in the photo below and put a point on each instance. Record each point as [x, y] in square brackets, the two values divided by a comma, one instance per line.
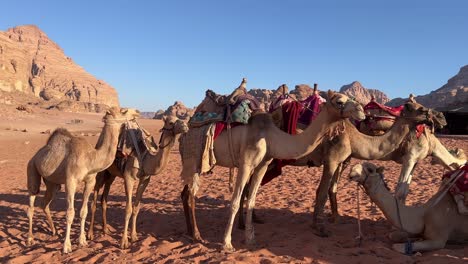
[363, 95]
[32, 63]
[453, 94]
[177, 109]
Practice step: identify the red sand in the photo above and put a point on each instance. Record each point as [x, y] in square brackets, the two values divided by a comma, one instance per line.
[285, 204]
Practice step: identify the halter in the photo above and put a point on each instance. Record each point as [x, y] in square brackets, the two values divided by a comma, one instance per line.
[163, 130]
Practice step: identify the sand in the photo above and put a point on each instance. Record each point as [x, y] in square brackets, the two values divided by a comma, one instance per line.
[285, 204]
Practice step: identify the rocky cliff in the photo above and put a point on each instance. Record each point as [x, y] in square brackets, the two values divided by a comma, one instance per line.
[453, 94]
[363, 95]
[31, 63]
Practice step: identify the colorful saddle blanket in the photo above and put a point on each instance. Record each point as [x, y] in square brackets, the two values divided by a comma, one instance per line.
[461, 185]
[393, 111]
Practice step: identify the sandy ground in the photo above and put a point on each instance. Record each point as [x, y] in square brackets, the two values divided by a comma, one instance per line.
[285, 204]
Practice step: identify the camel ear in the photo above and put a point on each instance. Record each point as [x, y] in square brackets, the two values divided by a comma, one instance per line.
[380, 170]
[108, 112]
[123, 110]
[164, 118]
[330, 94]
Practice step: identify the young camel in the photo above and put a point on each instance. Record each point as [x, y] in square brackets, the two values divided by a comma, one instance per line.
[150, 165]
[255, 145]
[436, 222]
[69, 160]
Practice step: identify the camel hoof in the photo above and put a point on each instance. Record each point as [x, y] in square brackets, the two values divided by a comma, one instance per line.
[321, 231]
[257, 220]
[90, 236]
[30, 241]
[251, 242]
[133, 238]
[400, 247]
[124, 244]
[83, 241]
[229, 248]
[67, 248]
[335, 219]
[197, 237]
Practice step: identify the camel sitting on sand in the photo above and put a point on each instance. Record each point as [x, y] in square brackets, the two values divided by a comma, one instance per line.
[150, 165]
[437, 221]
[70, 160]
[255, 145]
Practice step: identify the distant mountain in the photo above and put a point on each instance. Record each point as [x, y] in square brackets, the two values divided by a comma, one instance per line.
[178, 109]
[453, 94]
[31, 63]
[363, 95]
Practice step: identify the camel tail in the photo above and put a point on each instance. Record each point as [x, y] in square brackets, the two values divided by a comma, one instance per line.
[34, 178]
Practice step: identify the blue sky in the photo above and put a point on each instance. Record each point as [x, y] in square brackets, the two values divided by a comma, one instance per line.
[157, 52]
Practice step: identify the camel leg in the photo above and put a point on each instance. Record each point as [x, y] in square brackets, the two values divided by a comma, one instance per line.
[32, 198]
[335, 217]
[70, 187]
[104, 196]
[184, 196]
[425, 245]
[242, 178]
[136, 208]
[254, 185]
[89, 186]
[240, 214]
[406, 175]
[196, 233]
[99, 183]
[51, 190]
[128, 210]
[329, 169]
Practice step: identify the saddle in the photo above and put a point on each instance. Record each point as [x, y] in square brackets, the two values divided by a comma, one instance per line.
[459, 190]
[134, 139]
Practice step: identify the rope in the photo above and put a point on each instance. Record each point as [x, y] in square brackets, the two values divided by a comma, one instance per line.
[359, 215]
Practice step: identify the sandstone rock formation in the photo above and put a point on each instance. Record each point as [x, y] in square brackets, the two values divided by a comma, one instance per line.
[363, 95]
[177, 109]
[31, 63]
[453, 94]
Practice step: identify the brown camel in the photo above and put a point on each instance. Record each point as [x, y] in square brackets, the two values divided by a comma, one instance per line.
[437, 221]
[255, 145]
[150, 165]
[69, 160]
[333, 152]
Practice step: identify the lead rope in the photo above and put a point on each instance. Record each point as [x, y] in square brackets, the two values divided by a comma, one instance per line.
[231, 149]
[359, 215]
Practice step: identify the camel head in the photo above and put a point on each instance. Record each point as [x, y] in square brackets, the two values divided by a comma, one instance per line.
[456, 153]
[344, 107]
[418, 113]
[120, 115]
[367, 174]
[175, 125]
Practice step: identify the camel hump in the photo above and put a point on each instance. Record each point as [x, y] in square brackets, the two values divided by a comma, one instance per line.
[261, 121]
[59, 134]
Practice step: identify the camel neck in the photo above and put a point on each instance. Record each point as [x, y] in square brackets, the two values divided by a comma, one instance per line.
[449, 161]
[159, 161]
[286, 146]
[106, 146]
[411, 218]
[377, 147]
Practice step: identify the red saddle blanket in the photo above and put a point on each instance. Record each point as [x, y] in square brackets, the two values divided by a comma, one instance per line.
[394, 111]
[461, 185]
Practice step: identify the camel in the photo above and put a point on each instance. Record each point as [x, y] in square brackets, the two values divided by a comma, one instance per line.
[255, 145]
[393, 145]
[150, 165]
[378, 121]
[399, 144]
[69, 160]
[436, 221]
